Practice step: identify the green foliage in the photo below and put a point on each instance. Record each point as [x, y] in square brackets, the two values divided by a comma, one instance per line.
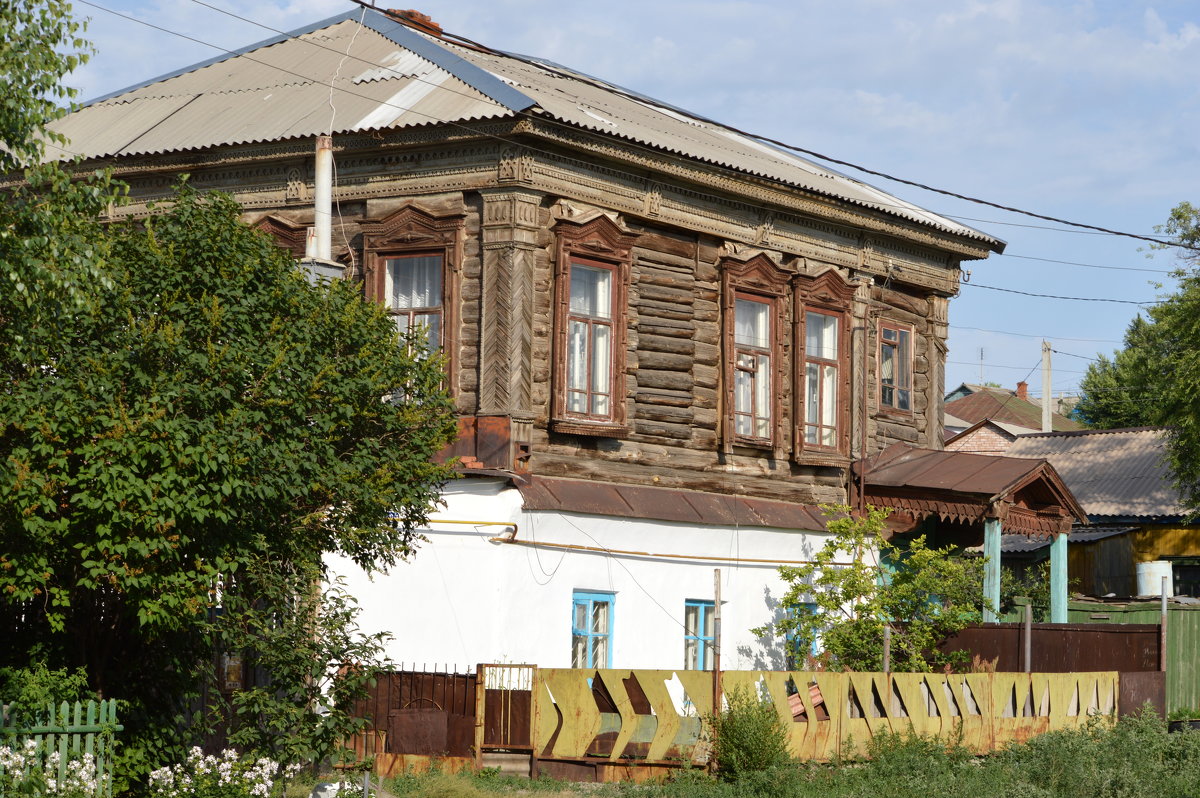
[304, 636]
[211, 413]
[747, 736]
[1155, 379]
[51, 255]
[859, 583]
[27, 691]
[1111, 392]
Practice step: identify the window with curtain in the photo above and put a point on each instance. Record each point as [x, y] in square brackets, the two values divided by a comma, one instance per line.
[590, 342]
[752, 390]
[821, 357]
[413, 294]
[591, 629]
[895, 368]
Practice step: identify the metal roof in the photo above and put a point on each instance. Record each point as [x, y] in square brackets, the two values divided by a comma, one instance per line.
[1115, 474]
[665, 504]
[395, 77]
[1004, 406]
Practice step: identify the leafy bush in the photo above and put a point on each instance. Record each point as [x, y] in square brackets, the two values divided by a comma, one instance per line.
[845, 597]
[748, 736]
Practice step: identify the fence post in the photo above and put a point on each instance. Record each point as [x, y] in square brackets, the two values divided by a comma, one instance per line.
[1029, 636]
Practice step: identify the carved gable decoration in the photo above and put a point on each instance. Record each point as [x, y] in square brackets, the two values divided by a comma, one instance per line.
[289, 235]
[599, 237]
[410, 227]
[828, 288]
[759, 274]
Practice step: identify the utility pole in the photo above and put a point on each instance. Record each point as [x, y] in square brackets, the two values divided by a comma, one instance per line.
[1047, 425]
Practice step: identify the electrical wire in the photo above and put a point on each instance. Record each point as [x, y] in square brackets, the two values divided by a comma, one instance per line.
[1057, 296]
[1032, 335]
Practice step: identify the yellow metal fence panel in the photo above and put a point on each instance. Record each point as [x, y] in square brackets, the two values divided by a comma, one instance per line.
[827, 715]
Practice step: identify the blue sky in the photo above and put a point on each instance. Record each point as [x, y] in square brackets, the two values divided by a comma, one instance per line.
[1087, 111]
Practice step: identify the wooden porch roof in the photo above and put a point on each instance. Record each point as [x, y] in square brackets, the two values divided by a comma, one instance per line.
[1027, 496]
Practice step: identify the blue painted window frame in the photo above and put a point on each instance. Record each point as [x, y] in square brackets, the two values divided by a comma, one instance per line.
[586, 600]
[696, 636]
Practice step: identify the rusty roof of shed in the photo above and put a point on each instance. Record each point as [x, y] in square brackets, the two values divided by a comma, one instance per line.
[967, 487]
[396, 76]
[665, 504]
[1117, 474]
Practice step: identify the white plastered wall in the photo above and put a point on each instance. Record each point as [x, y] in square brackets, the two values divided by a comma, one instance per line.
[464, 599]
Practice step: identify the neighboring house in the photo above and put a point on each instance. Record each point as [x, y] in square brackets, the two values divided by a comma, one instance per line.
[667, 342]
[1121, 479]
[1012, 413]
[984, 437]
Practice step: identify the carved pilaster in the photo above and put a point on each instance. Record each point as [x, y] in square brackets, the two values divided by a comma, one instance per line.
[510, 239]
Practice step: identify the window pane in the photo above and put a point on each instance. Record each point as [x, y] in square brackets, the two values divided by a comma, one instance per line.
[591, 291]
[829, 396]
[432, 323]
[708, 621]
[579, 651]
[415, 282]
[762, 397]
[743, 399]
[691, 620]
[752, 323]
[887, 364]
[902, 401]
[821, 332]
[812, 393]
[577, 351]
[690, 651]
[581, 616]
[599, 653]
[601, 358]
[600, 617]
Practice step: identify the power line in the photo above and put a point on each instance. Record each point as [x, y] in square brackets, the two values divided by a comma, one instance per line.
[1032, 335]
[1086, 265]
[1056, 296]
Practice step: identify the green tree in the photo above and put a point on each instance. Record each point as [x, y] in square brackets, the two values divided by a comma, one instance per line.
[858, 584]
[1112, 394]
[51, 258]
[1158, 372]
[210, 413]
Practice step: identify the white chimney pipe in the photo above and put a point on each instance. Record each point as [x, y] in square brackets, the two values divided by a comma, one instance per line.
[323, 220]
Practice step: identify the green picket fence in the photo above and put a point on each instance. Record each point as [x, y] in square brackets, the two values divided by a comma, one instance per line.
[72, 730]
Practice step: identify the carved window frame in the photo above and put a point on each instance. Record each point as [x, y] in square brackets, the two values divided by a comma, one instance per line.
[597, 243]
[830, 294]
[288, 235]
[761, 280]
[410, 232]
[905, 356]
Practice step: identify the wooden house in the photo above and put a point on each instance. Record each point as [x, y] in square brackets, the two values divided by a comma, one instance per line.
[667, 340]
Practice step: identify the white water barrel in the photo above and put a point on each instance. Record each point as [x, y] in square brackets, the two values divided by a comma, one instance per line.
[1150, 576]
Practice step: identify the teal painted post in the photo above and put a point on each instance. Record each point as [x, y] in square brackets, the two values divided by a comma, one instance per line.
[1058, 579]
[991, 569]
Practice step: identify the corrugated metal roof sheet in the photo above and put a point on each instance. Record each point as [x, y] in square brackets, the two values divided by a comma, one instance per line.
[1115, 474]
[1004, 406]
[276, 92]
[396, 76]
[665, 504]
